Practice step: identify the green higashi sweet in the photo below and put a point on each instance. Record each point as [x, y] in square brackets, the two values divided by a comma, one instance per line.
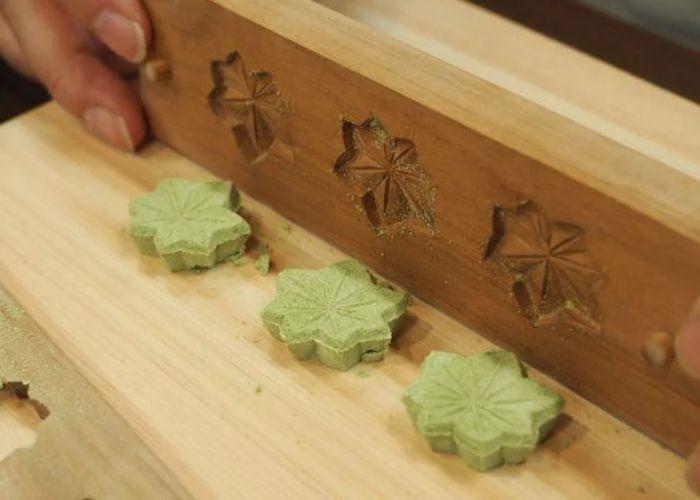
[338, 314]
[482, 408]
[190, 224]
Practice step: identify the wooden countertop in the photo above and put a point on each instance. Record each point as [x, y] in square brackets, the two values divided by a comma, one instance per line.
[185, 360]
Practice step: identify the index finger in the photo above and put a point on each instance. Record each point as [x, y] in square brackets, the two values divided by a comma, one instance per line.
[122, 25]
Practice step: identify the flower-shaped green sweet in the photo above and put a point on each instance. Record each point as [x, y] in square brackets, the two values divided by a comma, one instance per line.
[190, 224]
[338, 314]
[482, 408]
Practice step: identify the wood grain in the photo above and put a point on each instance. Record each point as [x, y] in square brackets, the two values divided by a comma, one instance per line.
[629, 47]
[83, 449]
[184, 358]
[483, 146]
[596, 95]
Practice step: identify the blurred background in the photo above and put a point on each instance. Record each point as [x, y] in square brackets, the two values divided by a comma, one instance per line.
[658, 40]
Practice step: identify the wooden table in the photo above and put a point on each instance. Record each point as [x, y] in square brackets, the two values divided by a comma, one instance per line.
[180, 374]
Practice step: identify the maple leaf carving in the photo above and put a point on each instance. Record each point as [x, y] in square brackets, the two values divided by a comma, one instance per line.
[556, 280]
[385, 176]
[337, 314]
[482, 408]
[251, 105]
[189, 223]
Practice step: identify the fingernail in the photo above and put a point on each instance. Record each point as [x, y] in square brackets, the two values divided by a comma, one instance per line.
[109, 127]
[693, 471]
[687, 344]
[122, 35]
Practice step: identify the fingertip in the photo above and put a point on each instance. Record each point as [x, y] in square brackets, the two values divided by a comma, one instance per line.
[104, 101]
[124, 36]
[109, 127]
[135, 124]
[135, 12]
[121, 25]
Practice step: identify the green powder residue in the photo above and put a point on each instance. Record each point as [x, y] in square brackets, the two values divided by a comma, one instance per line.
[238, 258]
[482, 408]
[9, 311]
[363, 374]
[336, 314]
[262, 263]
[258, 390]
[190, 224]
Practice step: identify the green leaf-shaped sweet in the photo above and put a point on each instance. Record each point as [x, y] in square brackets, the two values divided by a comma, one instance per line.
[482, 408]
[337, 314]
[191, 224]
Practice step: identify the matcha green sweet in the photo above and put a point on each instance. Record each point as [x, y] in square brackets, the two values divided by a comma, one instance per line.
[190, 224]
[482, 408]
[338, 314]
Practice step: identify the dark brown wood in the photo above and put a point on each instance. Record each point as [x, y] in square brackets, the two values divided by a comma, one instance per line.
[285, 147]
[631, 48]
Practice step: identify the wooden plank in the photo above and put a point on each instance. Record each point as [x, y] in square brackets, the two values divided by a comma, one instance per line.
[596, 95]
[482, 147]
[181, 356]
[629, 47]
[83, 449]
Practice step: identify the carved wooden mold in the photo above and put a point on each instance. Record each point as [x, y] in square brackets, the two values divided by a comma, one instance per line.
[556, 280]
[385, 177]
[251, 104]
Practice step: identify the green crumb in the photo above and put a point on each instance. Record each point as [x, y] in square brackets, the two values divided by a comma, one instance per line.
[482, 408]
[238, 258]
[262, 249]
[287, 228]
[262, 264]
[363, 374]
[336, 314]
[190, 224]
[258, 390]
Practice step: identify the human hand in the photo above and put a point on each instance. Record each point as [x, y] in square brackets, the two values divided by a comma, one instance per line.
[79, 50]
[688, 353]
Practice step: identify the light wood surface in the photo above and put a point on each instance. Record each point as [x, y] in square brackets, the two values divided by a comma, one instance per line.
[483, 145]
[185, 360]
[82, 448]
[621, 106]
[18, 419]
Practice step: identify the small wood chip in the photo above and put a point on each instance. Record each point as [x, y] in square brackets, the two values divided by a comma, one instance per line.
[658, 349]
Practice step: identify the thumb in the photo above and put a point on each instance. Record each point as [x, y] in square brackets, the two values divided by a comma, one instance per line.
[688, 343]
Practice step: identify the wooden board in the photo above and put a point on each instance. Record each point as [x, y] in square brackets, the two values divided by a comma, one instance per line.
[620, 106]
[636, 205]
[635, 48]
[186, 361]
[83, 448]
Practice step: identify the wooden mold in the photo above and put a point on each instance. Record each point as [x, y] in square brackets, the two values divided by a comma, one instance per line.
[556, 238]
